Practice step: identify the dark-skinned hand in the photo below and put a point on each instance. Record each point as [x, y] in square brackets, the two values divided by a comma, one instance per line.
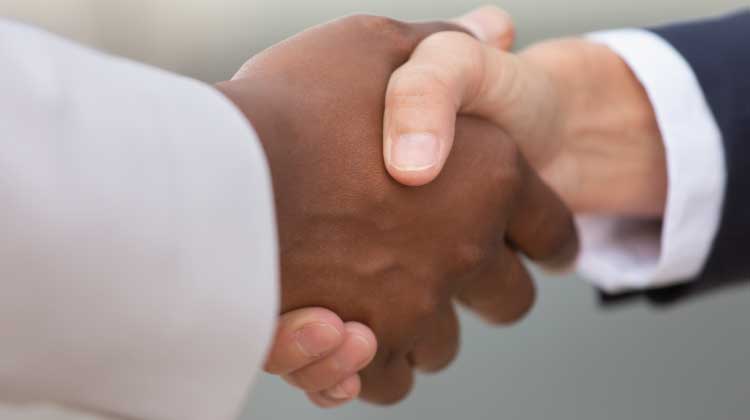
[358, 243]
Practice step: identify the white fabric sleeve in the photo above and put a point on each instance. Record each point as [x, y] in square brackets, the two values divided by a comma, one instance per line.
[620, 255]
[138, 260]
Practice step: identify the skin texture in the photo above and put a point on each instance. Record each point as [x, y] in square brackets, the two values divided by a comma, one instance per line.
[309, 338]
[375, 252]
[573, 107]
[605, 136]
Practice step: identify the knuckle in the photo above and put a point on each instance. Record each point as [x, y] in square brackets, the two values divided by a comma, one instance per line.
[379, 24]
[515, 92]
[460, 52]
[507, 167]
[469, 256]
[382, 27]
[425, 306]
[414, 85]
[453, 41]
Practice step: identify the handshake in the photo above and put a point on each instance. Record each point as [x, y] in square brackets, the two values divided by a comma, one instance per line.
[413, 167]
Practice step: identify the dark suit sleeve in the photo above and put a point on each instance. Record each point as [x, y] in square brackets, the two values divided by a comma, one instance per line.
[718, 50]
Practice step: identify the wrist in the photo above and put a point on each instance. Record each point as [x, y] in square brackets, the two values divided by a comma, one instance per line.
[259, 112]
[607, 131]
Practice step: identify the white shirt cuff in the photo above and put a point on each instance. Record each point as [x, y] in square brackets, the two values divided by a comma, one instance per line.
[620, 255]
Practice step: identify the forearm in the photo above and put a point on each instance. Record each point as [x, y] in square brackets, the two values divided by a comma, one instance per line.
[608, 129]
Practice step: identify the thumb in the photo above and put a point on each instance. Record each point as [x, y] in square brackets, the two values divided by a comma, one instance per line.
[445, 73]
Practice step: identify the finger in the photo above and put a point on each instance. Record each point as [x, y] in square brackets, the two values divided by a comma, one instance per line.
[340, 394]
[503, 292]
[322, 401]
[448, 73]
[302, 337]
[541, 226]
[388, 381]
[491, 25]
[353, 355]
[424, 98]
[438, 346]
[418, 31]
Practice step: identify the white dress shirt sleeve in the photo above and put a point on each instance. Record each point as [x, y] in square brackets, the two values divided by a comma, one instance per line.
[620, 255]
[138, 260]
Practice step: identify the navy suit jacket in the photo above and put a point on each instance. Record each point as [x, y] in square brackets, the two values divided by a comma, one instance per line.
[718, 50]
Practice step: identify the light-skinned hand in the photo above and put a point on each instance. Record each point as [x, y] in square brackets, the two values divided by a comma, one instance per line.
[573, 107]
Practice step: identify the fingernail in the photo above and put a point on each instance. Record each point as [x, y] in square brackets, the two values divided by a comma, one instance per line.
[415, 152]
[337, 393]
[317, 339]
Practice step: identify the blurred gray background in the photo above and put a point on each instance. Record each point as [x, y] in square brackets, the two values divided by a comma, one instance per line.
[569, 360]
